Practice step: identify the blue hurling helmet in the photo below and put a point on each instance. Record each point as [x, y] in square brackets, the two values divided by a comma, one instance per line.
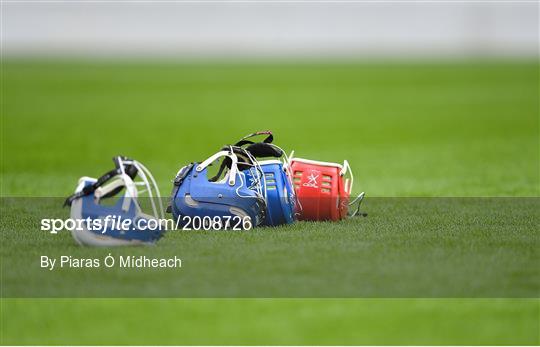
[101, 224]
[227, 195]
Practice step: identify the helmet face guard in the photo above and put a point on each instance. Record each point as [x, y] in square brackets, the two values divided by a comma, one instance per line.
[105, 220]
[323, 189]
[228, 194]
[281, 200]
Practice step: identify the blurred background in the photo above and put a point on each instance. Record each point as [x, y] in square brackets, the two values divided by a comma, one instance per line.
[272, 29]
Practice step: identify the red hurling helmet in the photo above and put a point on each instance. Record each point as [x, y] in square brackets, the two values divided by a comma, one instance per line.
[323, 189]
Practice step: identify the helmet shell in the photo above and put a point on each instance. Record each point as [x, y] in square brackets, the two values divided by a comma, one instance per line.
[197, 196]
[320, 189]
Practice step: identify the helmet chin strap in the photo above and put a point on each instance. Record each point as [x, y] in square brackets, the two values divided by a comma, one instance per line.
[233, 166]
[244, 140]
[119, 182]
[243, 160]
[123, 166]
[260, 149]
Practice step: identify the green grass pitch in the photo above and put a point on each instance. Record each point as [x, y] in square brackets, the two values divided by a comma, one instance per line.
[421, 129]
